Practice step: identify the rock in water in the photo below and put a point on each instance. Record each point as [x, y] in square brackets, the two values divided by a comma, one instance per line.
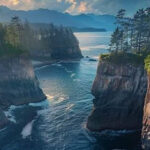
[119, 92]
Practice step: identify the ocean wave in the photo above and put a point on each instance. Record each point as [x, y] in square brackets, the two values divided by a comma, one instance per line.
[62, 98]
[76, 80]
[69, 107]
[39, 68]
[57, 64]
[9, 113]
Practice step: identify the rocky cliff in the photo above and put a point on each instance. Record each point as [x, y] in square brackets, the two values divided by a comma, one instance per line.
[51, 42]
[119, 92]
[18, 84]
[146, 118]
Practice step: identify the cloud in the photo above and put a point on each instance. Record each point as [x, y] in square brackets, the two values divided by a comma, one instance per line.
[79, 6]
[82, 7]
[9, 2]
[72, 7]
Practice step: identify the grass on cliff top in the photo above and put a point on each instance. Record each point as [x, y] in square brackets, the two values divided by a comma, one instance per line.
[147, 63]
[123, 58]
[10, 51]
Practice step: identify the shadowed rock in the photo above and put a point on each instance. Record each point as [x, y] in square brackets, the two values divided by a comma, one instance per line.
[119, 92]
[18, 84]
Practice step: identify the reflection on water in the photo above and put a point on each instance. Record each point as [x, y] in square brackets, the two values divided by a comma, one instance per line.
[93, 44]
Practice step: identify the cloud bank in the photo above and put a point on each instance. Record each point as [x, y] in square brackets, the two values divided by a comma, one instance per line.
[79, 6]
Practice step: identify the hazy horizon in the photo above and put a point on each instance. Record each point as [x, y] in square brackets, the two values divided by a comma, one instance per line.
[78, 6]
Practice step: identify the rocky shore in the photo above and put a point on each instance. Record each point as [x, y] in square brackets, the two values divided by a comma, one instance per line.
[18, 84]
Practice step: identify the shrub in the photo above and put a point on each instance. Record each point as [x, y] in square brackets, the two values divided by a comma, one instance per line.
[8, 51]
[123, 58]
[147, 63]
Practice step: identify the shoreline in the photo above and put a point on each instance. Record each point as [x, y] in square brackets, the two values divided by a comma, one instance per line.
[40, 63]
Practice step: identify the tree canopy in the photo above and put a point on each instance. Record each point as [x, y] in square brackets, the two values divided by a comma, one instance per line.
[18, 37]
[132, 33]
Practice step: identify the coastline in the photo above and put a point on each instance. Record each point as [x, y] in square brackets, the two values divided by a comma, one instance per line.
[41, 62]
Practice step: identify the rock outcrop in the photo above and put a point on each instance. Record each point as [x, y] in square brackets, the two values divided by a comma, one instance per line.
[51, 43]
[18, 84]
[146, 119]
[119, 92]
[3, 119]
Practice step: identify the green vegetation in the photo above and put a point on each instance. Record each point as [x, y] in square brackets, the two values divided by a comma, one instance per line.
[123, 58]
[8, 50]
[130, 42]
[9, 39]
[17, 38]
[147, 63]
[57, 41]
[132, 34]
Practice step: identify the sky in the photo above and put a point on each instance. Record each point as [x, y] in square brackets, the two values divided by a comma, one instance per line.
[79, 6]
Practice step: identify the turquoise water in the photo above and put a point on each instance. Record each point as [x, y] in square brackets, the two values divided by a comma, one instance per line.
[61, 123]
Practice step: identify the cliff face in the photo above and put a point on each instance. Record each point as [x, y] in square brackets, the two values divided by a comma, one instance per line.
[67, 51]
[146, 119]
[119, 92]
[60, 51]
[18, 84]
[51, 42]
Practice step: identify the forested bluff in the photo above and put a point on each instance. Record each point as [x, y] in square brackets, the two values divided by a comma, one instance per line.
[20, 43]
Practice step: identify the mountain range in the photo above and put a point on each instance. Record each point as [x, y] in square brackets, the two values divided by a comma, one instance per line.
[47, 16]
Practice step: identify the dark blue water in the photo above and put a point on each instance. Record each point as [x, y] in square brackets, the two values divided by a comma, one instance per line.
[61, 122]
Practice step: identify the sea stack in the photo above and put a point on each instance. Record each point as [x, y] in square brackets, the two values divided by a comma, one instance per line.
[119, 91]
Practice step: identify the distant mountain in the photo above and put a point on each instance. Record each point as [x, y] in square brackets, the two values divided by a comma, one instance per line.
[58, 18]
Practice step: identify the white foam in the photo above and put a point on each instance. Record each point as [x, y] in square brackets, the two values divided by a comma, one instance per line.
[76, 80]
[39, 68]
[57, 64]
[9, 113]
[10, 117]
[73, 75]
[69, 107]
[27, 130]
[43, 103]
[61, 98]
